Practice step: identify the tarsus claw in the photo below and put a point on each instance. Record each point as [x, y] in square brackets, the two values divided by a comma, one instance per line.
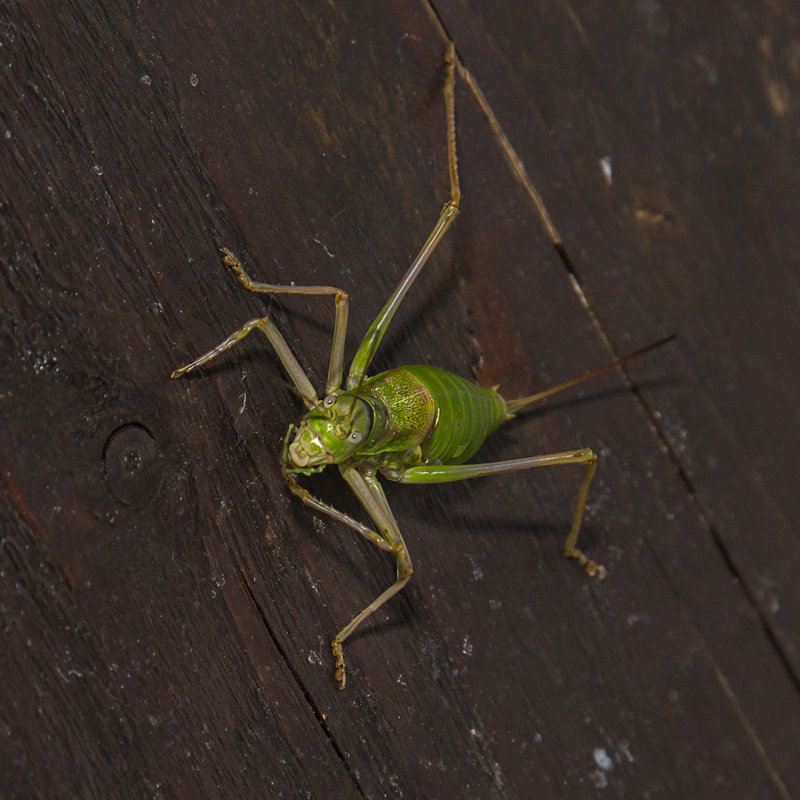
[340, 674]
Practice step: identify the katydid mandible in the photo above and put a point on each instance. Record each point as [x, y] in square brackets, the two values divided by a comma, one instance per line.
[414, 424]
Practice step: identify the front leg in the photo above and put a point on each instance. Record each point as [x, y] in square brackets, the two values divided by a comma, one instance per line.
[366, 488]
[387, 537]
[319, 505]
[287, 358]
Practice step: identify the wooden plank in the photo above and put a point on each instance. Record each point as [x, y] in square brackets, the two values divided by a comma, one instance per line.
[123, 672]
[672, 129]
[201, 598]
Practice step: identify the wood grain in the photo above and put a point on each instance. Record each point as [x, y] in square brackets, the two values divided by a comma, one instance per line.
[166, 606]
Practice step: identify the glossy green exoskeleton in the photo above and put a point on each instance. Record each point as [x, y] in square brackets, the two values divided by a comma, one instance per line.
[415, 424]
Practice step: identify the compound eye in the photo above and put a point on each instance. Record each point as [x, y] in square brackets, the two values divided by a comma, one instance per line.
[329, 401]
[355, 437]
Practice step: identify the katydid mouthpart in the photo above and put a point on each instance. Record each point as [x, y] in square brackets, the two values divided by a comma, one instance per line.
[414, 424]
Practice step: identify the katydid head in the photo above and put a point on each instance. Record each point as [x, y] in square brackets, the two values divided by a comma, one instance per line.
[329, 433]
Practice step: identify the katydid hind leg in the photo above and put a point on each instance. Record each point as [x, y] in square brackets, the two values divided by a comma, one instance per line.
[570, 549]
[372, 339]
[458, 472]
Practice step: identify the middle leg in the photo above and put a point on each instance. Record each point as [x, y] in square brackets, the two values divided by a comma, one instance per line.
[341, 303]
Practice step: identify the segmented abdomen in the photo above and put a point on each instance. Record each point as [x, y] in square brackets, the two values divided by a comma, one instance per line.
[465, 415]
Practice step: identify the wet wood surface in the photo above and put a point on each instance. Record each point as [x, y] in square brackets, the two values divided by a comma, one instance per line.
[166, 606]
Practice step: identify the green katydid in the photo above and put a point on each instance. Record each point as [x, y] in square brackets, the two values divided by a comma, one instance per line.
[414, 424]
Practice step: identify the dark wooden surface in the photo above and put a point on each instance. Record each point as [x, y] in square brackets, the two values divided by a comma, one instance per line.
[166, 606]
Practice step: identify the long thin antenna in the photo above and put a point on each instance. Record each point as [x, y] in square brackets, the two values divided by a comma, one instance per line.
[356, 395]
[516, 405]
